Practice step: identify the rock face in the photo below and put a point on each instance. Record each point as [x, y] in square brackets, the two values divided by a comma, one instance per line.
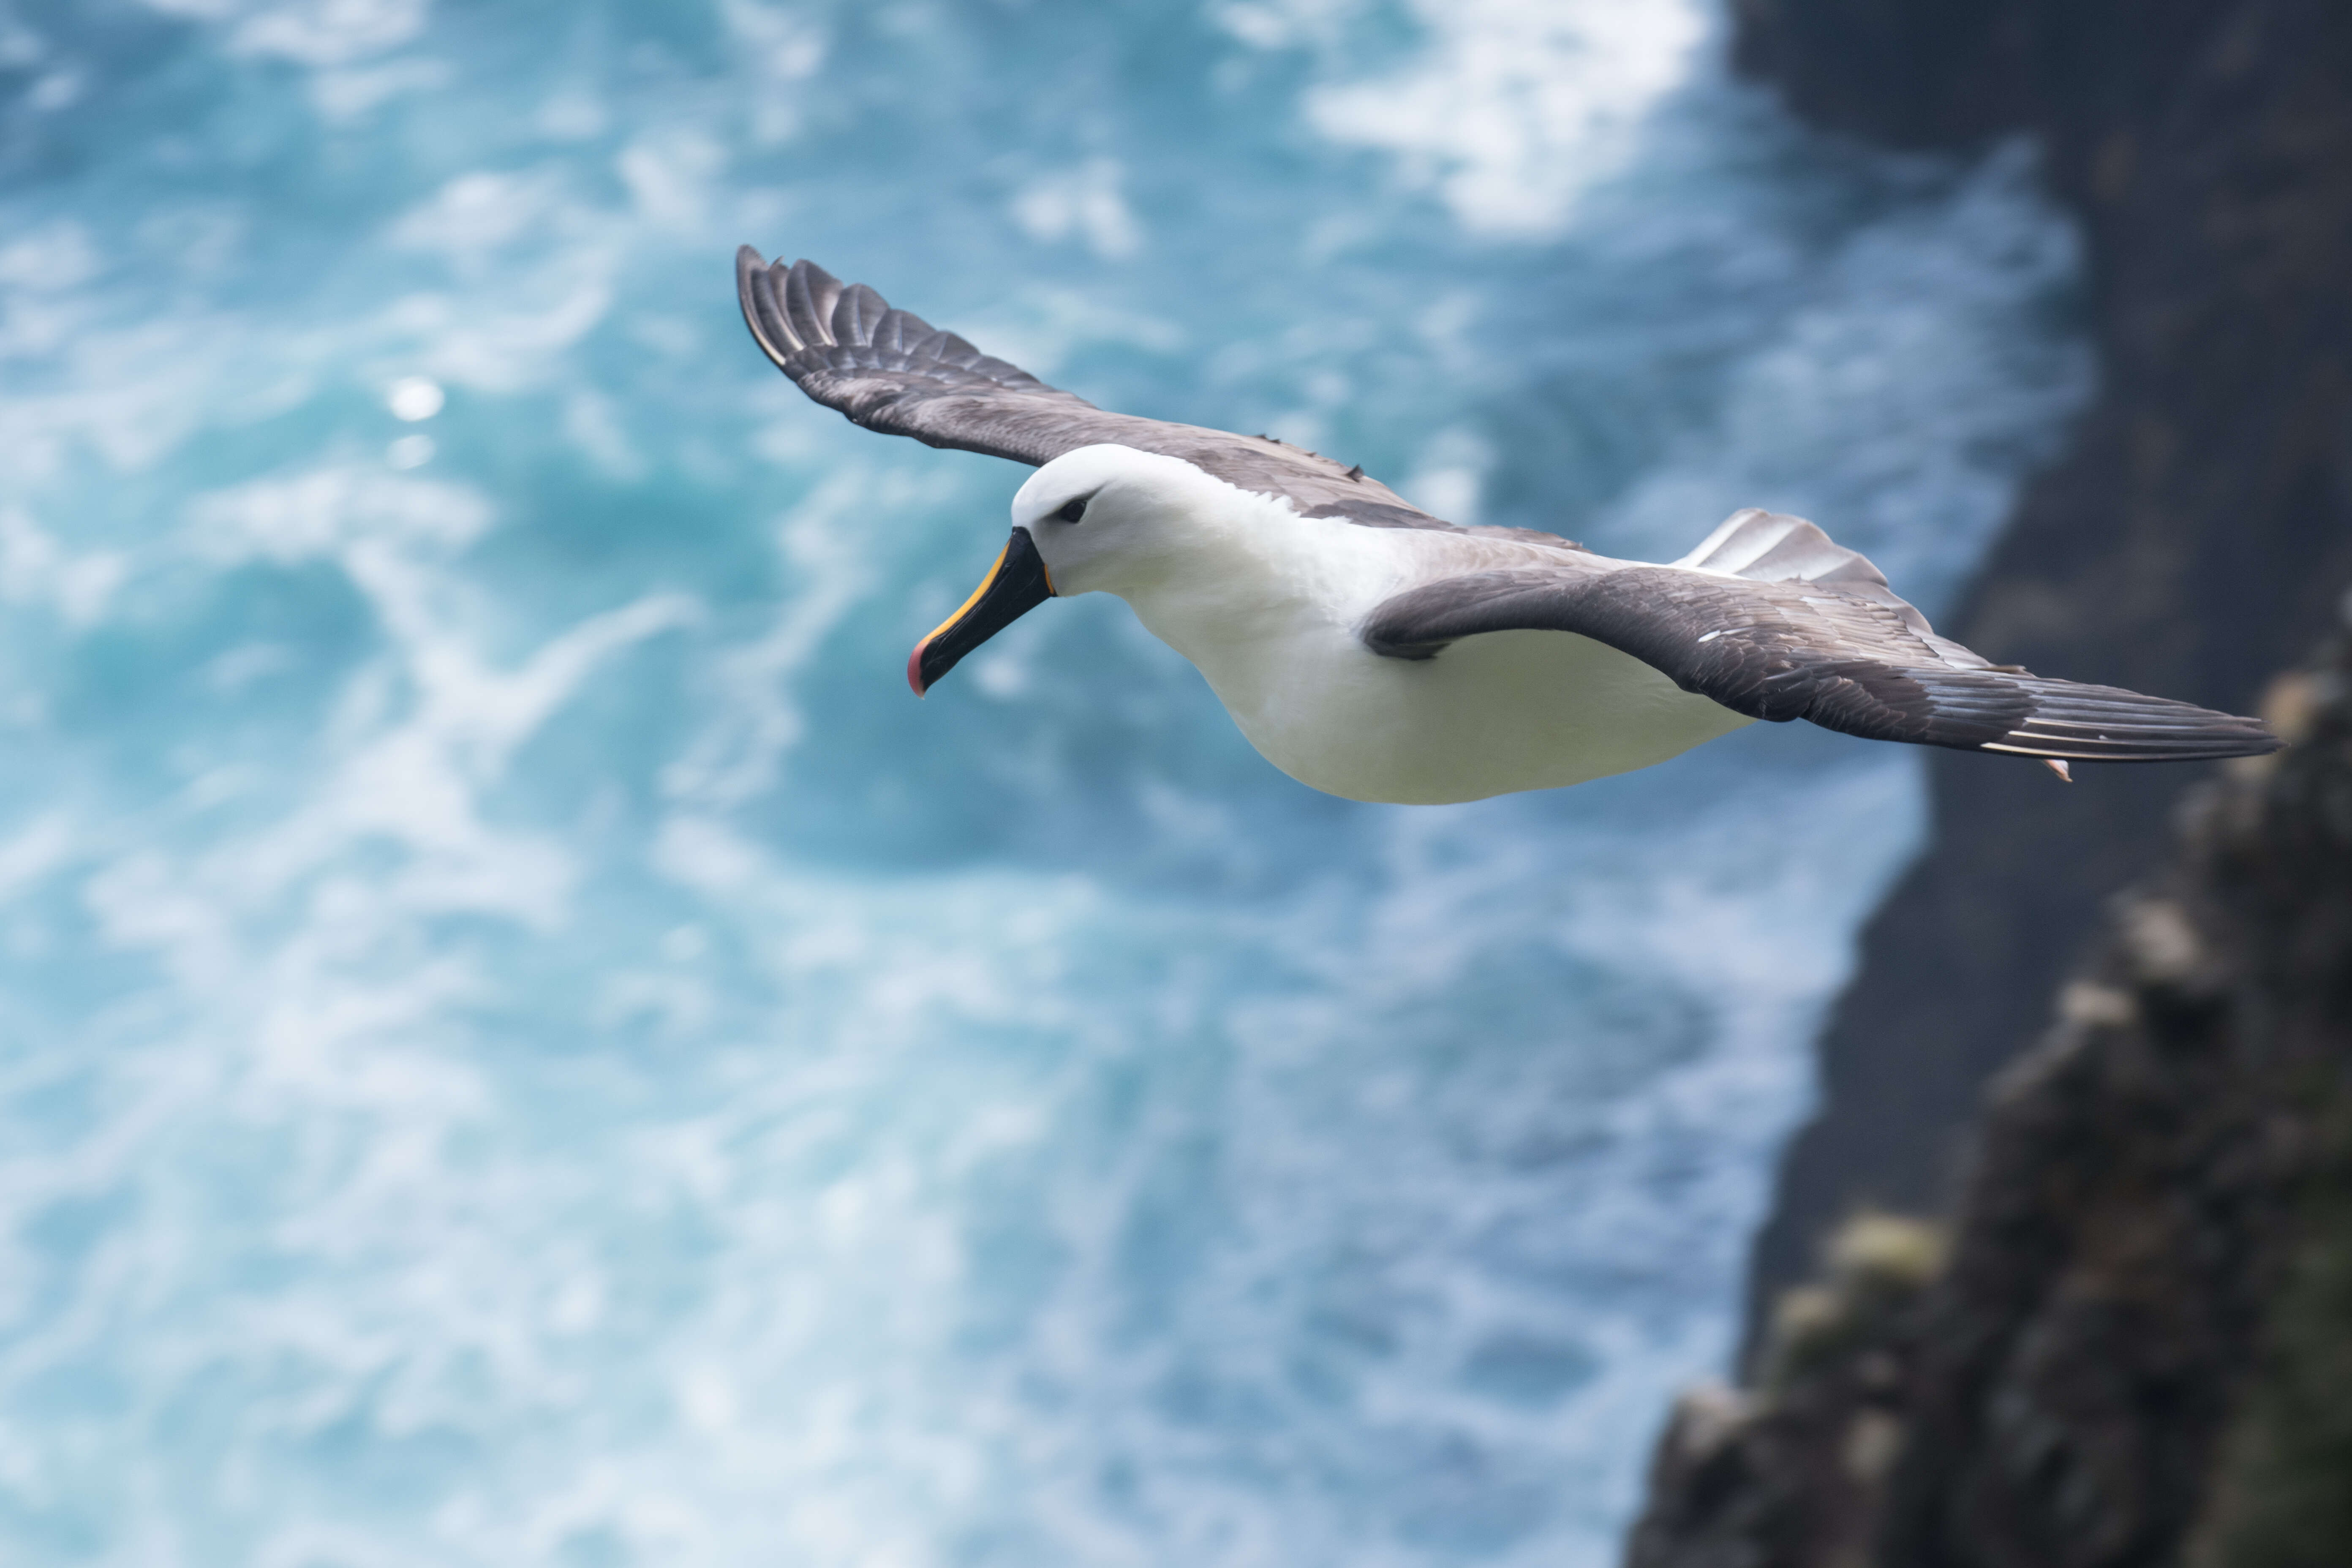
[2145, 1181]
[2140, 1349]
[2194, 538]
[1794, 1470]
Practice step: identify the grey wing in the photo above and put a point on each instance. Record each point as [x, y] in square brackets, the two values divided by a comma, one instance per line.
[891, 371]
[1837, 647]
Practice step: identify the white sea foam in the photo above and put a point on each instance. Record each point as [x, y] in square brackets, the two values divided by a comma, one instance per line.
[35, 569]
[310, 32]
[1081, 204]
[1513, 108]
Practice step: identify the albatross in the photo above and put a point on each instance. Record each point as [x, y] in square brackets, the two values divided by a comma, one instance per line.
[1372, 650]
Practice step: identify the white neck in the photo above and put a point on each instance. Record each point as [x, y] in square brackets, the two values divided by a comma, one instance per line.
[1243, 567]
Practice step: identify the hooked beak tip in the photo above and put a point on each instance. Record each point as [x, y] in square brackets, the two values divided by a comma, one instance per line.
[1014, 586]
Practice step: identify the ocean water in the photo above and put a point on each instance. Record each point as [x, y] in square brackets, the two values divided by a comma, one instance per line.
[522, 1044]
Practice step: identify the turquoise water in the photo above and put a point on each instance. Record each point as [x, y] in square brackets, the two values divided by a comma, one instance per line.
[521, 1043]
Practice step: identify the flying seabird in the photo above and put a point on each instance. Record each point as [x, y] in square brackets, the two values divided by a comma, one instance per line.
[1372, 650]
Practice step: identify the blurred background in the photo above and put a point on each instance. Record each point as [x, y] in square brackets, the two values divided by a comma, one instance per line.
[522, 1044]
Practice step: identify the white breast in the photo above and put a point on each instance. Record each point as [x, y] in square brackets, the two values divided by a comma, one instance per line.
[1268, 614]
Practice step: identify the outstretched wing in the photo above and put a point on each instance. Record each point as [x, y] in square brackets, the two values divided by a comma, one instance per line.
[894, 372]
[1810, 630]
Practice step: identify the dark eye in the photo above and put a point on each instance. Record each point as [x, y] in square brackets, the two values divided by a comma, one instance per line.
[1072, 510]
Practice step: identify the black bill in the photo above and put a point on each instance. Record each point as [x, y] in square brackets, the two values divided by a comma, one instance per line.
[1015, 586]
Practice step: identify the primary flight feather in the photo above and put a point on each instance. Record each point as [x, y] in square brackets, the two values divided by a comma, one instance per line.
[1374, 651]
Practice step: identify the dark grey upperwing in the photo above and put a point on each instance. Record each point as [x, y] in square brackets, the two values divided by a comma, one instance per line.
[1847, 654]
[893, 372]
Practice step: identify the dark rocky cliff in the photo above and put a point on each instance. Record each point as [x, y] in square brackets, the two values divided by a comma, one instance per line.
[2135, 1348]
[2193, 539]
[2139, 1351]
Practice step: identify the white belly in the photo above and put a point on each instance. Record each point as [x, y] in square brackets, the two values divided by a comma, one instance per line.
[1490, 715]
[1265, 604]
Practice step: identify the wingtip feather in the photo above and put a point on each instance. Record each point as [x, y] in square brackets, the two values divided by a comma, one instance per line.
[755, 291]
[849, 350]
[810, 294]
[2108, 724]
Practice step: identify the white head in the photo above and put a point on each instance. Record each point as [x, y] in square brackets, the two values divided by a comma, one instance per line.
[1110, 518]
[1102, 517]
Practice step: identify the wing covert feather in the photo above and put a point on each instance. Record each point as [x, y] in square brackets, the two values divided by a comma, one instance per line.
[890, 370]
[1820, 650]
